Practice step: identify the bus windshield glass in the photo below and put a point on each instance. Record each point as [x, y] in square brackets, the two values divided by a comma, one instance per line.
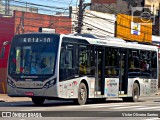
[31, 57]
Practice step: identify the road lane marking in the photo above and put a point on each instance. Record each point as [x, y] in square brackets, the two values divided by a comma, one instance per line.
[152, 119]
[38, 109]
[129, 107]
[107, 106]
[147, 107]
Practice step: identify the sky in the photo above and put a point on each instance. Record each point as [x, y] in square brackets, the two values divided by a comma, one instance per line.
[54, 3]
[58, 3]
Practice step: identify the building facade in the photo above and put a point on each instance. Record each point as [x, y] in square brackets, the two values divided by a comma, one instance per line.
[123, 6]
[110, 6]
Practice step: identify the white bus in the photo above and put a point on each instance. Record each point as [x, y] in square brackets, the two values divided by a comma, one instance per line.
[53, 66]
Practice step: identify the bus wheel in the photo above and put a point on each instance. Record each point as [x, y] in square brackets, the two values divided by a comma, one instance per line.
[135, 92]
[82, 94]
[38, 100]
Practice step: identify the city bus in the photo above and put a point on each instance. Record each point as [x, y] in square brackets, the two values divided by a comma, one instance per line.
[57, 66]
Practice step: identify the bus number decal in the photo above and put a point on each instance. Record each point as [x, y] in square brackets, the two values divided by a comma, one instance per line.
[33, 40]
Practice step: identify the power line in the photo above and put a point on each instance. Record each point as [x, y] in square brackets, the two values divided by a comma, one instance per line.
[68, 6]
[99, 28]
[39, 5]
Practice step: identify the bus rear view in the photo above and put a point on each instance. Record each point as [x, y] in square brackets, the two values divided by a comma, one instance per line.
[31, 66]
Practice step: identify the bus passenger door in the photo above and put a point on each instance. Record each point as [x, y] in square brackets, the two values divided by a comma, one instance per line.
[99, 71]
[123, 74]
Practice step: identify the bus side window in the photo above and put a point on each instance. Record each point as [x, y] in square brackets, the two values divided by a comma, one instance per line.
[84, 60]
[112, 62]
[154, 65]
[62, 69]
[66, 62]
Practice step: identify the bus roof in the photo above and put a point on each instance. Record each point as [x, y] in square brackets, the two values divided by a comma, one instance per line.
[116, 42]
[109, 41]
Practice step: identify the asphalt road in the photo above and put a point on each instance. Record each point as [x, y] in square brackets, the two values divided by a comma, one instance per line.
[147, 109]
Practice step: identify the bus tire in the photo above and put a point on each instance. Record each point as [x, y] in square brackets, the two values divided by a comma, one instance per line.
[135, 94]
[82, 94]
[38, 100]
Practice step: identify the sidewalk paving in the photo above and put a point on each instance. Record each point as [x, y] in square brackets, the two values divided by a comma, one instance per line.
[6, 98]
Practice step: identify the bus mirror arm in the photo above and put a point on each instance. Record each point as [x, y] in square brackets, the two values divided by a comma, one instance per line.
[3, 48]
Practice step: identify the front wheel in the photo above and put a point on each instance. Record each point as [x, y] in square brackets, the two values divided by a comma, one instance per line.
[82, 94]
[38, 100]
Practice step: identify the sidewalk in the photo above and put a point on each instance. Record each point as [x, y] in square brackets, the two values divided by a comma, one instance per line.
[6, 98]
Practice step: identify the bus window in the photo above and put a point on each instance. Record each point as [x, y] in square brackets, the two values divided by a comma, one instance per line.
[154, 65]
[66, 62]
[18, 59]
[112, 62]
[33, 60]
[141, 63]
[84, 60]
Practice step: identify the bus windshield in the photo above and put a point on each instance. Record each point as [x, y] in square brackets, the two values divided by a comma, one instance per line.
[33, 58]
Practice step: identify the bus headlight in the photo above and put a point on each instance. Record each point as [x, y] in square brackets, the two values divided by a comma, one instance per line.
[50, 83]
[11, 83]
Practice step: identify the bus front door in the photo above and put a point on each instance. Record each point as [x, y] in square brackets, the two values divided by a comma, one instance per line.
[100, 71]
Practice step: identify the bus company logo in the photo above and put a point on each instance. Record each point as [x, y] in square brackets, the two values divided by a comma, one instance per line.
[101, 42]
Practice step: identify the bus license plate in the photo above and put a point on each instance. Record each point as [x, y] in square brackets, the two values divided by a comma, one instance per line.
[29, 93]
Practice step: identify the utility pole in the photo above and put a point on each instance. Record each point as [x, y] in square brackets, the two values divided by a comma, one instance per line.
[80, 17]
[7, 7]
[82, 7]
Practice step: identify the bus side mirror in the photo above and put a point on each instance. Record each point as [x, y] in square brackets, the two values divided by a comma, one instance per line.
[3, 51]
[3, 48]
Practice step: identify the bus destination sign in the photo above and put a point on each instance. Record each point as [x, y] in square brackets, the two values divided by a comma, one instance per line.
[36, 40]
